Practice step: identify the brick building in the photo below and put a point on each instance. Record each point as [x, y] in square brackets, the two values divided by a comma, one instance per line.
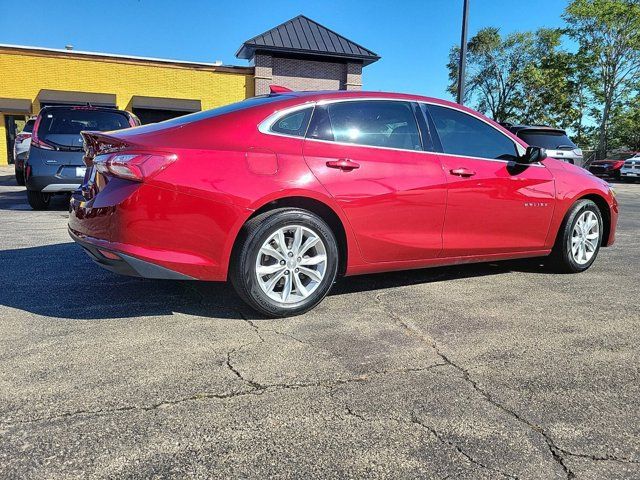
[300, 54]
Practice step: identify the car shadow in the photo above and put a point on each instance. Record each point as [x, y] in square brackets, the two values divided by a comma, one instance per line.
[61, 281]
[17, 199]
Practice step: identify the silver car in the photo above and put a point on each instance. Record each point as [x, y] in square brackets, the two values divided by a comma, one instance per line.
[554, 140]
[630, 170]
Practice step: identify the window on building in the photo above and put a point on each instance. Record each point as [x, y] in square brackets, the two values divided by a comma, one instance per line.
[377, 123]
[463, 134]
[295, 123]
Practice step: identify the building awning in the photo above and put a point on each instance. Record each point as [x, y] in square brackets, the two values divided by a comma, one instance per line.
[61, 97]
[15, 105]
[173, 104]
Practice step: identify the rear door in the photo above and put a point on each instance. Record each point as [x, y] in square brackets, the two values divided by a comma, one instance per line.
[369, 156]
[494, 205]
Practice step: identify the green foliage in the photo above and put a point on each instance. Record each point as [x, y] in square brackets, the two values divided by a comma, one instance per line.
[529, 77]
[608, 35]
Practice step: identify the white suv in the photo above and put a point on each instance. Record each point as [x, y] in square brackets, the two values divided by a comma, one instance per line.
[631, 169]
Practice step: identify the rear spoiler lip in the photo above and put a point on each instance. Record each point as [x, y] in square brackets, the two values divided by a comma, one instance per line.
[96, 143]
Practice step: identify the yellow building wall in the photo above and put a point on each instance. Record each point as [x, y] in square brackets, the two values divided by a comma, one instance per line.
[23, 75]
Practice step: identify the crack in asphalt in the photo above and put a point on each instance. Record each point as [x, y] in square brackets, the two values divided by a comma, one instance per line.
[555, 451]
[415, 420]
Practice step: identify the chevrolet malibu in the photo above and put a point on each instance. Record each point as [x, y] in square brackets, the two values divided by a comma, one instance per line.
[281, 194]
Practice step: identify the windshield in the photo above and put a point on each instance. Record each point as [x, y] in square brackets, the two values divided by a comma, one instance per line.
[552, 140]
[62, 127]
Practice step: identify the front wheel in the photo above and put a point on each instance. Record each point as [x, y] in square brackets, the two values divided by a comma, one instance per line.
[285, 262]
[38, 200]
[579, 238]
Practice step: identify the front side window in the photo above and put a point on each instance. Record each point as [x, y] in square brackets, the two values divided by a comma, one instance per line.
[376, 123]
[463, 134]
[294, 123]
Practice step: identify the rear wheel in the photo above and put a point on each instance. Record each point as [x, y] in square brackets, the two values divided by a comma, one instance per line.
[579, 238]
[38, 200]
[20, 177]
[285, 262]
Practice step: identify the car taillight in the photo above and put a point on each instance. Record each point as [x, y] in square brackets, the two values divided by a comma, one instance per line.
[133, 166]
[21, 137]
[35, 141]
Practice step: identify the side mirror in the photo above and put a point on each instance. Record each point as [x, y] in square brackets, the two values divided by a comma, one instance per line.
[533, 155]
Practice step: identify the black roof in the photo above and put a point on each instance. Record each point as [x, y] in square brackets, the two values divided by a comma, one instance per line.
[540, 128]
[303, 36]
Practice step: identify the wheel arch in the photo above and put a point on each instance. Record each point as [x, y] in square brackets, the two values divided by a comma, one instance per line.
[319, 208]
[603, 206]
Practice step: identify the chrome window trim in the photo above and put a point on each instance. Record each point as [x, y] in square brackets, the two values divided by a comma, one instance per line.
[267, 123]
[265, 127]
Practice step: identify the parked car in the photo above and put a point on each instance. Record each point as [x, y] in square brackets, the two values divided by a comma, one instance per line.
[630, 170]
[611, 167]
[282, 193]
[55, 164]
[554, 140]
[21, 149]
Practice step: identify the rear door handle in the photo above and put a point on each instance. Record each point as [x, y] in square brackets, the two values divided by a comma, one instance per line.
[345, 164]
[462, 172]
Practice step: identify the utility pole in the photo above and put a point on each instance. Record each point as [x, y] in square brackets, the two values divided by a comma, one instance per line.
[463, 52]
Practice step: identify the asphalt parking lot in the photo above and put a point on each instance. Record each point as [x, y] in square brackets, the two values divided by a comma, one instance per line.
[479, 371]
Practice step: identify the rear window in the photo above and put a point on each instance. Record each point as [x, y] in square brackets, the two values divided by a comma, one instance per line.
[63, 127]
[547, 139]
[28, 127]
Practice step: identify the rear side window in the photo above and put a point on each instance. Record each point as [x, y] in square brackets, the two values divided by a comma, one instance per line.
[463, 134]
[547, 139]
[63, 126]
[376, 123]
[294, 123]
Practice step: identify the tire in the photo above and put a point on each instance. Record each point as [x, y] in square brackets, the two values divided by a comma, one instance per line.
[285, 289]
[20, 177]
[38, 200]
[565, 258]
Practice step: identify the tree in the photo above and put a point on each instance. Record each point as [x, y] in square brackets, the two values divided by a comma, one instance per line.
[524, 77]
[494, 71]
[608, 35]
[625, 127]
[550, 83]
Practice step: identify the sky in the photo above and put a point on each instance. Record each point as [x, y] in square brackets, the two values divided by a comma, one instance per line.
[413, 37]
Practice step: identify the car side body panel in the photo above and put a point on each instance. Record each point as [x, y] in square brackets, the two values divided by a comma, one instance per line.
[188, 216]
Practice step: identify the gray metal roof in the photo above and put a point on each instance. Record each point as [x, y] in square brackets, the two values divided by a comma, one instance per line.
[303, 36]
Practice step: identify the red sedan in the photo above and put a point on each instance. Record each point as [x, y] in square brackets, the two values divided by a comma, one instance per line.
[282, 193]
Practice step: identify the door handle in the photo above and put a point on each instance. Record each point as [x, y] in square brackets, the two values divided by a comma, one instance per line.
[344, 164]
[462, 172]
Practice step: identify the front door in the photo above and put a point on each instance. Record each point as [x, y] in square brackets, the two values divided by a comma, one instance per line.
[494, 205]
[369, 156]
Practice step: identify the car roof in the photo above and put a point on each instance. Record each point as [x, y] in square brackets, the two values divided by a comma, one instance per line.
[541, 128]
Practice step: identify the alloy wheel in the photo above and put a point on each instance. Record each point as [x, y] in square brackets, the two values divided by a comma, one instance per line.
[585, 237]
[291, 264]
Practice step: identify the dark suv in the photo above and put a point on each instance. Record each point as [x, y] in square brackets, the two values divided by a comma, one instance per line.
[554, 140]
[55, 162]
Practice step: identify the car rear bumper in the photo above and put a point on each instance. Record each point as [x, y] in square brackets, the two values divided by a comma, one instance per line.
[179, 233]
[630, 172]
[604, 171]
[115, 261]
[54, 179]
